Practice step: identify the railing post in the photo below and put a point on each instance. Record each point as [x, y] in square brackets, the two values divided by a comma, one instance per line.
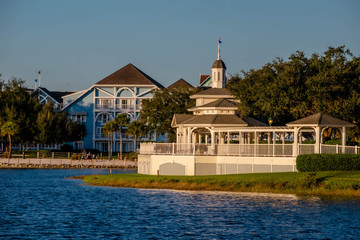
[194, 149]
[173, 148]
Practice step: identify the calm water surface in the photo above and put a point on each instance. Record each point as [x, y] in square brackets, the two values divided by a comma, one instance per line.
[44, 204]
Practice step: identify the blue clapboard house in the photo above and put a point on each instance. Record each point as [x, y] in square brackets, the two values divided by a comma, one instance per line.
[120, 92]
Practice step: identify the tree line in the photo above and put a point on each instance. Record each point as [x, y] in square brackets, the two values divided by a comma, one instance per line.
[302, 86]
[24, 120]
[283, 90]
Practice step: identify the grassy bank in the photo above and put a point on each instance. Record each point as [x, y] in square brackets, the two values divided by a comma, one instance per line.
[344, 184]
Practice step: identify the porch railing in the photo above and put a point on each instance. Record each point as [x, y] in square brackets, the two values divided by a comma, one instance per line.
[255, 150]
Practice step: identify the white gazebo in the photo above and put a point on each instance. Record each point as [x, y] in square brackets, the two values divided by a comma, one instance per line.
[214, 139]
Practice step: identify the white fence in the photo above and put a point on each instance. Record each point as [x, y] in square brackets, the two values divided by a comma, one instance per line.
[256, 150]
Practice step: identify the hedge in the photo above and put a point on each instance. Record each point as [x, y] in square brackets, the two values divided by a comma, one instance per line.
[328, 162]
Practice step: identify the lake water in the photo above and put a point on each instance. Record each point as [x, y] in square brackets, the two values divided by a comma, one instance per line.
[44, 204]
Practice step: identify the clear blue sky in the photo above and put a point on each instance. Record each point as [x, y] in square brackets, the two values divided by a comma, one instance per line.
[76, 43]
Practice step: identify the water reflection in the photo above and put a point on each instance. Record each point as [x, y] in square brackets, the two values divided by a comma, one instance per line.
[43, 204]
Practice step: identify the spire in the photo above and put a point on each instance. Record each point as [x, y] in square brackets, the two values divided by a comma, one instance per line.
[218, 56]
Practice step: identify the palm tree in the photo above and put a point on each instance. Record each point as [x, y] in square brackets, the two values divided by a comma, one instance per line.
[109, 128]
[9, 129]
[135, 129]
[121, 120]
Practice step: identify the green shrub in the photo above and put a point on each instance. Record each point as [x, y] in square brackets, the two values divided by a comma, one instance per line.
[328, 162]
[75, 156]
[66, 148]
[308, 181]
[333, 142]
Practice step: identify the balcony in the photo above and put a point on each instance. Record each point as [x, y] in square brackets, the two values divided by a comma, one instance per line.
[104, 106]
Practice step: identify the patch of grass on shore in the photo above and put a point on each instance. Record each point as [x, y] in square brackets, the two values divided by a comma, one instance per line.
[344, 184]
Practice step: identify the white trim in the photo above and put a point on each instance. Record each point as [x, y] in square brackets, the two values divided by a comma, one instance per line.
[49, 96]
[85, 91]
[102, 90]
[123, 88]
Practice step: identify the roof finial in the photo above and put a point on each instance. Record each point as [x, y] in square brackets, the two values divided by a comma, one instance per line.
[218, 57]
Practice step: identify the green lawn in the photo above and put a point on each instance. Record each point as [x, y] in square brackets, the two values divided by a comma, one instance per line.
[345, 184]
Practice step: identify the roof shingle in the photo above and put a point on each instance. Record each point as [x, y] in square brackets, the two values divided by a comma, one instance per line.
[320, 119]
[129, 75]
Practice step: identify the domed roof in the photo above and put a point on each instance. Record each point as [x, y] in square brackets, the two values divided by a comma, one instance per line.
[218, 64]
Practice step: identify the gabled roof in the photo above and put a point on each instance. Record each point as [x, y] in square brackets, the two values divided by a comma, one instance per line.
[218, 104]
[55, 95]
[181, 83]
[180, 118]
[129, 75]
[214, 92]
[221, 103]
[322, 120]
[203, 78]
[215, 120]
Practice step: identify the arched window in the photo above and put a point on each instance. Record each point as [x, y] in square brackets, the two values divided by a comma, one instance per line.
[103, 118]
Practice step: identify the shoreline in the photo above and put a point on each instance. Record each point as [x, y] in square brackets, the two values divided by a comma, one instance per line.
[59, 163]
[301, 184]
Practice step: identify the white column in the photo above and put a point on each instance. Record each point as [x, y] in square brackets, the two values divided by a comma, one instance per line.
[213, 142]
[318, 139]
[343, 139]
[188, 135]
[222, 138]
[283, 142]
[241, 138]
[274, 142]
[177, 135]
[295, 146]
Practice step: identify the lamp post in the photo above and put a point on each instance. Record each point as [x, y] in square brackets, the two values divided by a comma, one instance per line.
[270, 120]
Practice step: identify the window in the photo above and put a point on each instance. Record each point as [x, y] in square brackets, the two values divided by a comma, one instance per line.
[103, 118]
[104, 103]
[124, 103]
[78, 118]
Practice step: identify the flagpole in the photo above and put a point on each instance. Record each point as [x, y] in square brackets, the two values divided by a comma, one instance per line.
[218, 56]
[39, 78]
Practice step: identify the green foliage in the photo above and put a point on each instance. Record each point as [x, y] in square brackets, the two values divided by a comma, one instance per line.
[121, 120]
[109, 128]
[34, 123]
[301, 86]
[17, 106]
[328, 162]
[308, 181]
[66, 148]
[136, 129]
[76, 157]
[322, 183]
[157, 113]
